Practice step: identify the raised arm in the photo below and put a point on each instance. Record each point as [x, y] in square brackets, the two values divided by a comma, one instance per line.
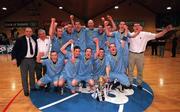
[108, 33]
[52, 28]
[63, 48]
[114, 27]
[126, 30]
[162, 33]
[96, 40]
[72, 20]
[108, 68]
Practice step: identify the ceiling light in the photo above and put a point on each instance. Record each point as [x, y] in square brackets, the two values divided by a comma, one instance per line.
[116, 7]
[4, 8]
[60, 7]
[168, 8]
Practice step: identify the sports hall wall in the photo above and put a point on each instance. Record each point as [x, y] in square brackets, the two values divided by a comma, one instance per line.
[132, 13]
[43, 12]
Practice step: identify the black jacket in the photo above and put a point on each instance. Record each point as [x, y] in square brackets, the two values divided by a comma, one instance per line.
[20, 49]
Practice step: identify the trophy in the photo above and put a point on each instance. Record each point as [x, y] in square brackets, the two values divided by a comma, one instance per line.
[99, 92]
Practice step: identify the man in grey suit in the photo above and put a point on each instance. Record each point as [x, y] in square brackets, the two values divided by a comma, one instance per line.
[24, 55]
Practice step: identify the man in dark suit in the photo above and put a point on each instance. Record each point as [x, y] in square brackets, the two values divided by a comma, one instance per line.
[24, 55]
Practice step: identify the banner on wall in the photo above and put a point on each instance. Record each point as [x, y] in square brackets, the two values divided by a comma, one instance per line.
[12, 24]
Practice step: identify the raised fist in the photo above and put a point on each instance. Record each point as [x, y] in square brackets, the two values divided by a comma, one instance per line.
[71, 41]
[96, 40]
[56, 23]
[71, 17]
[103, 19]
[53, 19]
[109, 17]
[169, 27]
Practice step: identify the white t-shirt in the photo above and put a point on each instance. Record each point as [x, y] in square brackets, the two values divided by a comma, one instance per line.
[44, 46]
[138, 43]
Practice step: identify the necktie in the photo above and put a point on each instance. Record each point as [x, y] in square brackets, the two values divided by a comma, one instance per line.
[31, 48]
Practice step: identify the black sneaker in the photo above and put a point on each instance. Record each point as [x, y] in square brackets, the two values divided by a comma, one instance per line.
[56, 89]
[47, 87]
[83, 84]
[121, 88]
[26, 94]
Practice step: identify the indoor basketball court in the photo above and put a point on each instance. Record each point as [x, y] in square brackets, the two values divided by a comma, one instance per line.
[160, 86]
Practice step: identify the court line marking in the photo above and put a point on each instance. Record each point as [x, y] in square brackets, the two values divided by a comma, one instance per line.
[121, 108]
[11, 101]
[144, 89]
[59, 101]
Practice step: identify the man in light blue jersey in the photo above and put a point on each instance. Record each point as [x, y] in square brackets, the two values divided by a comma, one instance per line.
[110, 39]
[80, 36]
[101, 35]
[91, 33]
[54, 68]
[115, 67]
[71, 68]
[110, 27]
[56, 36]
[85, 72]
[67, 35]
[99, 67]
[121, 39]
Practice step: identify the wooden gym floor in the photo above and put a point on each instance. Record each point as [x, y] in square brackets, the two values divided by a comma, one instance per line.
[162, 74]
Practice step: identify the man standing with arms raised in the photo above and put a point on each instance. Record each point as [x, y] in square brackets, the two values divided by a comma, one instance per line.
[138, 44]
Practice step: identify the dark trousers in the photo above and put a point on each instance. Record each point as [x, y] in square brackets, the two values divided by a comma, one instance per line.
[161, 50]
[174, 51]
[154, 49]
[27, 68]
[40, 70]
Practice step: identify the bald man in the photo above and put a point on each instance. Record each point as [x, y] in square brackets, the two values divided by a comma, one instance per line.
[91, 33]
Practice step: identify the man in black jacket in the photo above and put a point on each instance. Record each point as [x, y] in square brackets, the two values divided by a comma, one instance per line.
[24, 54]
